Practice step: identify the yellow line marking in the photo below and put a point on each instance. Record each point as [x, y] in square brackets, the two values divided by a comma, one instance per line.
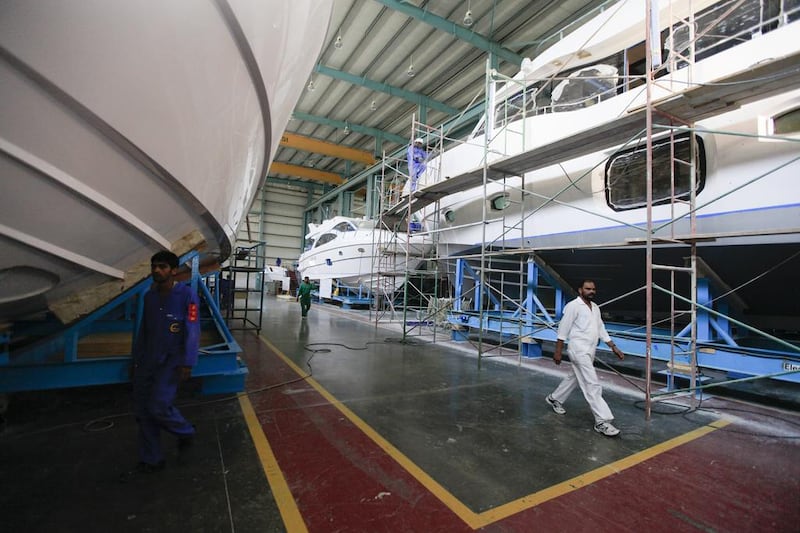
[479, 520]
[453, 503]
[292, 518]
[511, 508]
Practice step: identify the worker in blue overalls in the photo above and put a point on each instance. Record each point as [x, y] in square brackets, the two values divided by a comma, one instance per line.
[417, 155]
[164, 353]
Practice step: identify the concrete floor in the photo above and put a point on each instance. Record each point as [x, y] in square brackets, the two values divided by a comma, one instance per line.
[384, 436]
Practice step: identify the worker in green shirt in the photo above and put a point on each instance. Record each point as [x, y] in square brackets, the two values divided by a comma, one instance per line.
[304, 296]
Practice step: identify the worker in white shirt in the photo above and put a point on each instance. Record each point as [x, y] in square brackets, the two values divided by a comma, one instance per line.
[581, 326]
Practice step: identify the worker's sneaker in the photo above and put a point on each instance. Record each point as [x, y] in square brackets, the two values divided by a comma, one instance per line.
[607, 429]
[556, 405]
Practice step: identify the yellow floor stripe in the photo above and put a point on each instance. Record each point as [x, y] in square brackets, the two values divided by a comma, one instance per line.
[453, 503]
[478, 520]
[292, 518]
[526, 502]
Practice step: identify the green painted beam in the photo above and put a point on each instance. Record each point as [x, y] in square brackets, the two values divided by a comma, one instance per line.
[374, 132]
[413, 97]
[475, 39]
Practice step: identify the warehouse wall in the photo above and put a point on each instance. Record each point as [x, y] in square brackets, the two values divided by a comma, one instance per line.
[276, 218]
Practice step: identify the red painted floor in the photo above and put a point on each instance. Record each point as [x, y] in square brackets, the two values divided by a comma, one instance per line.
[342, 480]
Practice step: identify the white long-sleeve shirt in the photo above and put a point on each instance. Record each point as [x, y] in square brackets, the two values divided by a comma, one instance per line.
[582, 327]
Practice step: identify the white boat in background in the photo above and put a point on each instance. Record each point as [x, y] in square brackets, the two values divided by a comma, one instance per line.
[585, 87]
[276, 273]
[357, 253]
[128, 127]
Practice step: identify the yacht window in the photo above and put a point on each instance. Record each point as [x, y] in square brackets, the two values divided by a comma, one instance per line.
[344, 226]
[720, 28]
[326, 238]
[787, 123]
[309, 244]
[499, 202]
[519, 106]
[450, 216]
[626, 172]
[585, 87]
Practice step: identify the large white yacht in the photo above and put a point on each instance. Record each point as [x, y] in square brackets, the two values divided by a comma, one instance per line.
[564, 147]
[127, 127]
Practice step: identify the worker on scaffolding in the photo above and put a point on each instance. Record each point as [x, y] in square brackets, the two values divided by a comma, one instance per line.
[417, 155]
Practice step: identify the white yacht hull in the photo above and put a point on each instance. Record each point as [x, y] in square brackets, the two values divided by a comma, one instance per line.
[370, 258]
[128, 127]
[749, 191]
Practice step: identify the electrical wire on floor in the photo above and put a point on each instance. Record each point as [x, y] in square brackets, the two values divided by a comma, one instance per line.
[685, 410]
[105, 423]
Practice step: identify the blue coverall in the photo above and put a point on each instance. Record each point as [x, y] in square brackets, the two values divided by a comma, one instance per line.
[169, 338]
[416, 164]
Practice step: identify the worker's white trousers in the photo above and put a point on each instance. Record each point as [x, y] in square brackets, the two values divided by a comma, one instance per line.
[584, 375]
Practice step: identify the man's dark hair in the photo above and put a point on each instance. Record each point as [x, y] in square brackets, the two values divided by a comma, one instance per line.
[165, 257]
[585, 281]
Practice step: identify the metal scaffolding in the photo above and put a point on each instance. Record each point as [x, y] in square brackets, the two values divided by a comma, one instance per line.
[401, 286]
[509, 294]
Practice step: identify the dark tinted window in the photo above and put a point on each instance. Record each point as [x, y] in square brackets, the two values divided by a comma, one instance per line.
[344, 226]
[788, 122]
[326, 238]
[626, 173]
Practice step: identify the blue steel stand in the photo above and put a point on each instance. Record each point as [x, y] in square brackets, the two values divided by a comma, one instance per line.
[717, 348]
[56, 361]
[536, 321]
[349, 296]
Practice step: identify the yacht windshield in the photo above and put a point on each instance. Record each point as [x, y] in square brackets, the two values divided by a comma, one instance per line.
[344, 226]
[326, 238]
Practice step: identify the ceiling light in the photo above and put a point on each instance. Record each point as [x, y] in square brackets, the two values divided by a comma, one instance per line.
[468, 21]
[346, 128]
[410, 72]
[310, 86]
[338, 42]
[373, 106]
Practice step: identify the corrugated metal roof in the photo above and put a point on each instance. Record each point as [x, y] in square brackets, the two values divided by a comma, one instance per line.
[372, 44]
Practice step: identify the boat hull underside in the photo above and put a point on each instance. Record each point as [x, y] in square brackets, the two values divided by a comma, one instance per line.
[122, 134]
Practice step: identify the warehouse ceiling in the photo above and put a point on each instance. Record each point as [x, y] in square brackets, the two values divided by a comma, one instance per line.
[362, 94]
